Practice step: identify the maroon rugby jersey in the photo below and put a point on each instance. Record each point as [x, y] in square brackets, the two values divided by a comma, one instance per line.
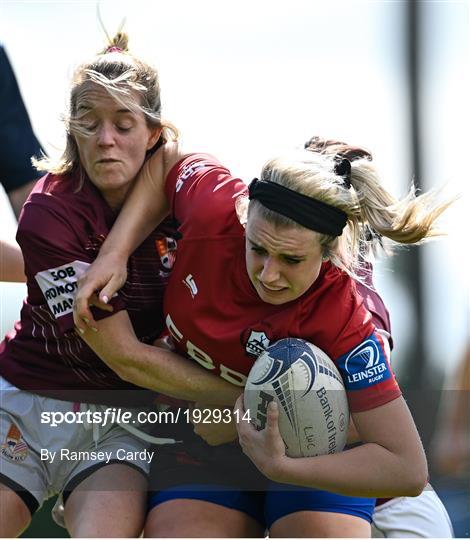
[60, 232]
[215, 315]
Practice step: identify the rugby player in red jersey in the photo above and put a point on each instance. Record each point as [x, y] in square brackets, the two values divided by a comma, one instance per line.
[231, 294]
[424, 516]
[45, 366]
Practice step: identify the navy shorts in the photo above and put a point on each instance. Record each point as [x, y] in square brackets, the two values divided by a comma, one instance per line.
[224, 475]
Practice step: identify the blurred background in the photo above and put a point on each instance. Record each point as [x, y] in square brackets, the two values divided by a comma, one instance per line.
[247, 79]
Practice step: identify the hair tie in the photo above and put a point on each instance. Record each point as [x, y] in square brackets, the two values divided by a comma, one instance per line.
[343, 169]
[113, 48]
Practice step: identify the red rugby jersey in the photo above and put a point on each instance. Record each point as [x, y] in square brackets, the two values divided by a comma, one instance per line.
[60, 232]
[215, 315]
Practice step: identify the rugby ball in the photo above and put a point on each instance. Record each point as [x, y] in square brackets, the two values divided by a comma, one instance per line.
[312, 402]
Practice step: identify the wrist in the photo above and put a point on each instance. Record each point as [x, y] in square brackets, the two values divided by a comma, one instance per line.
[118, 253]
[278, 469]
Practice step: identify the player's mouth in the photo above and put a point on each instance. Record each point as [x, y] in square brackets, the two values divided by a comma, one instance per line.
[271, 289]
[106, 161]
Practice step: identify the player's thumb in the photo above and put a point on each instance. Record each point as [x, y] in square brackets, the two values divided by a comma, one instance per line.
[110, 289]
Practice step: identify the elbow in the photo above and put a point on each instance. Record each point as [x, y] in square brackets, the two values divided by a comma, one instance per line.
[126, 373]
[123, 370]
[123, 374]
[417, 480]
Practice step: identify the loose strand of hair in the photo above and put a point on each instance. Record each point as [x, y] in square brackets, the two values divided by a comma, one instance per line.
[409, 220]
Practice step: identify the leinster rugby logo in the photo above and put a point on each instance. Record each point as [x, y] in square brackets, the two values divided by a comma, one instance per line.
[14, 447]
[365, 365]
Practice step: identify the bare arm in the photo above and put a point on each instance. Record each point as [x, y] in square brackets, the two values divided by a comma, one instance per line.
[11, 262]
[390, 463]
[145, 207]
[155, 368]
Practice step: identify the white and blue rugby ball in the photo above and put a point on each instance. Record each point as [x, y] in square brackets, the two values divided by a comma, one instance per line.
[312, 402]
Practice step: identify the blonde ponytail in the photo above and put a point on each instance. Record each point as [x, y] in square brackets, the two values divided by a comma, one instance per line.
[372, 212]
[410, 220]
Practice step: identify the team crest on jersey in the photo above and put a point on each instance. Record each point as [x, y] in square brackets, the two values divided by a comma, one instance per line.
[166, 250]
[14, 447]
[256, 342]
[366, 364]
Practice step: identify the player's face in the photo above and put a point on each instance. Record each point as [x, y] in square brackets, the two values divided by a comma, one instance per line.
[114, 147]
[282, 262]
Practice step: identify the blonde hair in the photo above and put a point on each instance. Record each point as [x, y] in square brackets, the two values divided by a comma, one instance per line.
[122, 75]
[372, 212]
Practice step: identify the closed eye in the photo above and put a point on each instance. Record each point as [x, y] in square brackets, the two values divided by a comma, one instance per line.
[89, 127]
[124, 128]
[258, 250]
[292, 260]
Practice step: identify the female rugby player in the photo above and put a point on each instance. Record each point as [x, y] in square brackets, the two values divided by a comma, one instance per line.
[45, 366]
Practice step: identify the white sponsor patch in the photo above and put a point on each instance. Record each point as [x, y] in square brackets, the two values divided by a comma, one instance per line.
[59, 285]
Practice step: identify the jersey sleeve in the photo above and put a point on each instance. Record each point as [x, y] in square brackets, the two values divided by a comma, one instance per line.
[19, 143]
[55, 257]
[202, 195]
[367, 374]
[343, 327]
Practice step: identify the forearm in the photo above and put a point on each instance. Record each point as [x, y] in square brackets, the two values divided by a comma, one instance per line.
[11, 262]
[390, 463]
[363, 471]
[158, 369]
[176, 376]
[146, 206]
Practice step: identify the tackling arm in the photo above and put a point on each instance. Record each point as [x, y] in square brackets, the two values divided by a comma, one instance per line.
[153, 367]
[145, 207]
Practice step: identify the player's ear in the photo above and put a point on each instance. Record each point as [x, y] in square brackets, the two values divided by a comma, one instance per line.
[241, 208]
[154, 135]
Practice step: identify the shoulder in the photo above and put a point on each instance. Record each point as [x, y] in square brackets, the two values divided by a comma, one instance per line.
[57, 211]
[64, 195]
[195, 165]
[336, 312]
[202, 190]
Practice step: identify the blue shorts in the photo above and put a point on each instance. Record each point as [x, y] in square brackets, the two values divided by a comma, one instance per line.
[224, 475]
[269, 506]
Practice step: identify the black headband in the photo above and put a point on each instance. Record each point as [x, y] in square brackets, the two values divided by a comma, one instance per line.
[310, 213]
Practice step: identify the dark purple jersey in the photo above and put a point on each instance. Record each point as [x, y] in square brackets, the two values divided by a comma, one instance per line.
[60, 232]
